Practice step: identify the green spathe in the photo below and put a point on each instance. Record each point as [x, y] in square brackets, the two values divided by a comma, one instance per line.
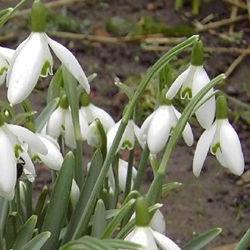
[221, 107]
[38, 16]
[197, 54]
[142, 214]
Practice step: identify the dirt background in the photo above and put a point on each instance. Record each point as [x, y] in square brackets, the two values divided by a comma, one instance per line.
[217, 198]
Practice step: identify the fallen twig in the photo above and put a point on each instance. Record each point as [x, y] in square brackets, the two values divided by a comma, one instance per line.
[53, 4]
[237, 3]
[235, 64]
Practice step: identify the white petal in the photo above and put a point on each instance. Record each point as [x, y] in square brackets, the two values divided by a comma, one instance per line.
[93, 135]
[83, 126]
[111, 135]
[69, 130]
[231, 148]
[54, 158]
[47, 67]
[7, 167]
[106, 120]
[128, 138]
[86, 113]
[206, 113]
[176, 85]
[55, 123]
[187, 132]
[164, 242]
[3, 69]
[123, 172]
[144, 237]
[70, 62]
[159, 129]
[26, 68]
[202, 149]
[141, 138]
[74, 193]
[158, 223]
[7, 53]
[25, 135]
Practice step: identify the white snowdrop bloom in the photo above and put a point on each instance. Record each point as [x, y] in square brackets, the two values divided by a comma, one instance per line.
[151, 240]
[60, 123]
[33, 58]
[53, 159]
[5, 58]
[191, 81]
[128, 138]
[144, 235]
[223, 142]
[74, 193]
[122, 175]
[14, 155]
[157, 222]
[157, 127]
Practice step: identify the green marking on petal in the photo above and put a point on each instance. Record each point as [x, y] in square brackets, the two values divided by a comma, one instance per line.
[36, 158]
[215, 147]
[127, 145]
[18, 149]
[46, 69]
[186, 93]
[3, 70]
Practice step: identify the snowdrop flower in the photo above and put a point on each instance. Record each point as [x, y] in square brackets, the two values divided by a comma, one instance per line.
[157, 127]
[90, 112]
[74, 194]
[223, 142]
[128, 138]
[144, 235]
[5, 58]
[191, 81]
[60, 123]
[122, 175]
[14, 155]
[33, 58]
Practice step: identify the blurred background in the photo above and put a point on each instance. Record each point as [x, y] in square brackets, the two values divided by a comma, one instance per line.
[122, 38]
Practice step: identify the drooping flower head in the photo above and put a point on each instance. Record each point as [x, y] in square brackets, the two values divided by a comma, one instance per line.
[223, 142]
[144, 235]
[32, 59]
[190, 82]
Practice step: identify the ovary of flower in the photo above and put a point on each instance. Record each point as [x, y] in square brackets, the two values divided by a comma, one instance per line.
[5, 58]
[60, 123]
[13, 141]
[150, 239]
[31, 59]
[128, 138]
[191, 81]
[157, 127]
[224, 143]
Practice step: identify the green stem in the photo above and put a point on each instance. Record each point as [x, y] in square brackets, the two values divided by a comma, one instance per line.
[129, 173]
[141, 168]
[155, 188]
[29, 199]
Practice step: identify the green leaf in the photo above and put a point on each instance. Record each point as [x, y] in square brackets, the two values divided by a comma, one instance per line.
[118, 218]
[202, 239]
[4, 207]
[5, 15]
[37, 242]
[21, 118]
[57, 209]
[25, 233]
[86, 190]
[90, 243]
[244, 242]
[41, 201]
[99, 221]
[55, 86]
[168, 187]
[45, 114]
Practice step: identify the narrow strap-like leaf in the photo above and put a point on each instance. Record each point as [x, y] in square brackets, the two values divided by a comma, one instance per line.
[25, 233]
[57, 209]
[37, 242]
[202, 239]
